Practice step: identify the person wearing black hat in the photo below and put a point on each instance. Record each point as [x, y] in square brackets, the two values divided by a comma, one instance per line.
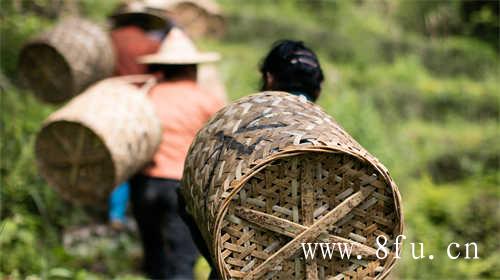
[292, 67]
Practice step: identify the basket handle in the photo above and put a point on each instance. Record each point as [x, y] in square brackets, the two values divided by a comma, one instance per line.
[147, 80]
[148, 84]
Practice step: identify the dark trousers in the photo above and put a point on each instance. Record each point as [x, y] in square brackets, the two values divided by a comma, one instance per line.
[169, 251]
[196, 234]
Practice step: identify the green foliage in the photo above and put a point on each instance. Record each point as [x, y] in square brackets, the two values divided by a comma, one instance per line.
[98, 9]
[16, 29]
[18, 239]
[406, 89]
[435, 216]
[457, 56]
[424, 16]
[478, 19]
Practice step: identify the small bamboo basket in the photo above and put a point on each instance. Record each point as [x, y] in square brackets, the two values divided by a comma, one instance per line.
[199, 18]
[65, 60]
[98, 140]
[272, 171]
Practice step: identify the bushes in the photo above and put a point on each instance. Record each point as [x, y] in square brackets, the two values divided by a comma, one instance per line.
[16, 29]
[405, 89]
[19, 240]
[478, 19]
[437, 215]
[456, 57]
[458, 162]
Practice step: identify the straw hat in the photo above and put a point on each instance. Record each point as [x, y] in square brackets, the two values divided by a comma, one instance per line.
[210, 6]
[178, 49]
[148, 17]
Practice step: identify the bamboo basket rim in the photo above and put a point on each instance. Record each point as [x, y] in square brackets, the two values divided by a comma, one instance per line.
[148, 82]
[325, 142]
[261, 164]
[36, 42]
[83, 124]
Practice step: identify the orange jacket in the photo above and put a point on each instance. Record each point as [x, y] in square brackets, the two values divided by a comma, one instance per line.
[131, 42]
[183, 109]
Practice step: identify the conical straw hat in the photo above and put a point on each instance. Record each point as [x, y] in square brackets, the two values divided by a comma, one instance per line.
[178, 49]
[148, 17]
[210, 6]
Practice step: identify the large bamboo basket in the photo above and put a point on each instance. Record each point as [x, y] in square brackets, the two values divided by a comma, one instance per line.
[272, 171]
[98, 140]
[198, 18]
[63, 61]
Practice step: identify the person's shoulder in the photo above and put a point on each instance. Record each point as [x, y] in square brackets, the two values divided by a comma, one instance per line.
[211, 101]
[176, 86]
[190, 86]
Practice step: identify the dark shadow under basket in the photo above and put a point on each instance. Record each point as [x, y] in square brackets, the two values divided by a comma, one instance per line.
[272, 171]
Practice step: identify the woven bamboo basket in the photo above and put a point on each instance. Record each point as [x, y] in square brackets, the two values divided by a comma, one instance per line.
[272, 171]
[197, 17]
[98, 140]
[63, 61]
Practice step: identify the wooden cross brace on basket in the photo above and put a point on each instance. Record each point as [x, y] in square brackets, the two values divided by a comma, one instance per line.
[303, 234]
[74, 153]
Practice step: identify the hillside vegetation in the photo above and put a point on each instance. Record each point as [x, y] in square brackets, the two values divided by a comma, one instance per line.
[415, 82]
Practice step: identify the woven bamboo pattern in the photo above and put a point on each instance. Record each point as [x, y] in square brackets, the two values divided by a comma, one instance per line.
[272, 171]
[98, 140]
[65, 60]
[197, 18]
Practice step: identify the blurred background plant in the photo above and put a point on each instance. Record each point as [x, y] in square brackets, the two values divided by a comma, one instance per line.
[415, 82]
